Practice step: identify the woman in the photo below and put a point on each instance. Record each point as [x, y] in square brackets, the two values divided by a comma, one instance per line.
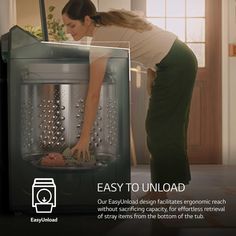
[167, 59]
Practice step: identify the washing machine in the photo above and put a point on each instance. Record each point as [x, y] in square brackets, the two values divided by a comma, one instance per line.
[47, 84]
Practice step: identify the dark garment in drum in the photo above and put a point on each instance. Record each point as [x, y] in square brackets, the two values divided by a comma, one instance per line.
[168, 115]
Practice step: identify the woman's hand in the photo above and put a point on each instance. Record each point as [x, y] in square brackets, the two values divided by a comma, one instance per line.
[151, 75]
[81, 150]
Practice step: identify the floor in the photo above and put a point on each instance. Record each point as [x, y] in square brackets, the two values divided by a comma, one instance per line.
[213, 182]
[208, 182]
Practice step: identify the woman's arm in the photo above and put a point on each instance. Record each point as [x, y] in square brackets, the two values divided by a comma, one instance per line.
[97, 72]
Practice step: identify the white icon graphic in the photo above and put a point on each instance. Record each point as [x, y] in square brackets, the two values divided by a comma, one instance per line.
[44, 195]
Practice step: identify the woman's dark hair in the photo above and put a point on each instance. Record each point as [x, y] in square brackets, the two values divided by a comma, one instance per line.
[78, 9]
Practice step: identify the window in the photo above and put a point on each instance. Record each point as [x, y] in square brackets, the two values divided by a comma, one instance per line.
[185, 18]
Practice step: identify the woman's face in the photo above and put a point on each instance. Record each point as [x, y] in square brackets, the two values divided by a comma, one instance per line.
[76, 28]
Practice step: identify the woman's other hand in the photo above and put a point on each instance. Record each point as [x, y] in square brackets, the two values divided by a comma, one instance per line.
[151, 75]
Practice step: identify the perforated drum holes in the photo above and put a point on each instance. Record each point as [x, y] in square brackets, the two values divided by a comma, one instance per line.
[52, 119]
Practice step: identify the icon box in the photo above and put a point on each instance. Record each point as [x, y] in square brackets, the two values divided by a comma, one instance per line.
[44, 195]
